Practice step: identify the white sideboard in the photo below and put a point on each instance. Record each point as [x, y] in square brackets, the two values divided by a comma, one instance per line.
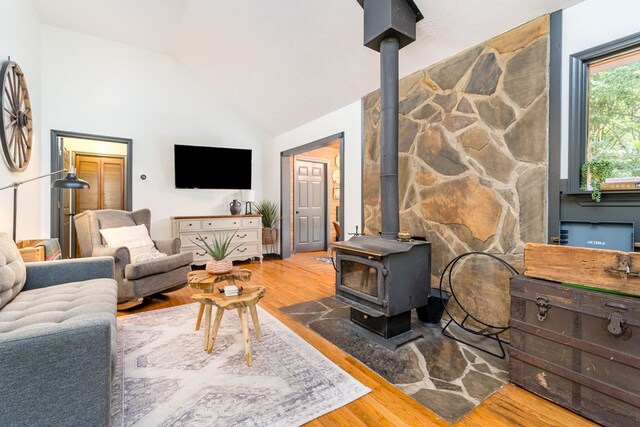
[248, 234]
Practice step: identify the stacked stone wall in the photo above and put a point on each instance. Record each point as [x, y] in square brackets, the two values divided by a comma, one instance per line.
[473, 138]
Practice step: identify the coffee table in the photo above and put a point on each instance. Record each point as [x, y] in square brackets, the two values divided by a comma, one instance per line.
[205, 281]
[247, 300]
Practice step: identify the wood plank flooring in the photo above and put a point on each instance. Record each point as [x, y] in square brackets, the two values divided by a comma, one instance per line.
[302, 278]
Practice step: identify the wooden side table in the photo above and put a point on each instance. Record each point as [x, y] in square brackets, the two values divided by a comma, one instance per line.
[205, 281]
[250, 296]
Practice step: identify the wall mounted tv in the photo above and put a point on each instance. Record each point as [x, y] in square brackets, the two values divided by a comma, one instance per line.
[212, 167]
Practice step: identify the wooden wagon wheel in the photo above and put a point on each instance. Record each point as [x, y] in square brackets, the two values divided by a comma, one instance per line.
[16, 121]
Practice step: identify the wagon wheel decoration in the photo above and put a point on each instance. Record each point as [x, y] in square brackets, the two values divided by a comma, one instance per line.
[16, 121]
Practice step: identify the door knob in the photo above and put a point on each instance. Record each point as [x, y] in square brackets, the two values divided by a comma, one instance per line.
[297, 212]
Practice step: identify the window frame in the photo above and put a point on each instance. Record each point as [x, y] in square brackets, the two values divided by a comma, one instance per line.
[578, 100]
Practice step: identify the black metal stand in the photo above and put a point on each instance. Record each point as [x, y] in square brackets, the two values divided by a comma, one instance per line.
[15, 186]
[488, 331]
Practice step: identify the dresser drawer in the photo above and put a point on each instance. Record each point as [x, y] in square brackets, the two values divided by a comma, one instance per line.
[187, 239]
[190, 224]
[246, 251]
[245, 236]
[251, 222]
[199, 256]
[218, 223]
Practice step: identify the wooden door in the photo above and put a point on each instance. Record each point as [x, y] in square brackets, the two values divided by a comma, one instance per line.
[310, 206]
[106, 177]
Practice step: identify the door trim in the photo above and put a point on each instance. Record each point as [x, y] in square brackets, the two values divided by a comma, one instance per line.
[325, 202]
[286, 157]
[56, 222]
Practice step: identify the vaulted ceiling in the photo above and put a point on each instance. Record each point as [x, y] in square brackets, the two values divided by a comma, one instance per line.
[285, 62]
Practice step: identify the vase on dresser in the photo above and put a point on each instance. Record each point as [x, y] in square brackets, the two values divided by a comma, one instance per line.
[235, 207]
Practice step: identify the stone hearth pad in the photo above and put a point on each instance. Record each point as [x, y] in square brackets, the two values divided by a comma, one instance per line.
[447, 377]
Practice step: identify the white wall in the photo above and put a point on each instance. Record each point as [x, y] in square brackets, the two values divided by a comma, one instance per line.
[348, 120]
[586, 25]
[97, 147]
[20, 39]
[99, 87]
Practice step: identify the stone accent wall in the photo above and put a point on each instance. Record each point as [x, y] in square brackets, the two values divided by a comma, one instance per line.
[472, 158]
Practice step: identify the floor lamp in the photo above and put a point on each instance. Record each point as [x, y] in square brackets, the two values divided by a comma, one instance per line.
[15, 186]
[72, 182]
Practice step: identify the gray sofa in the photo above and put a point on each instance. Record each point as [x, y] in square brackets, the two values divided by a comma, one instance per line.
[57, 340]
[135, 281]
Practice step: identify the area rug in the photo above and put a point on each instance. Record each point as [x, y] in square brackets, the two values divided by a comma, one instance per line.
[323, 259]
[447, 377]
[165, 378]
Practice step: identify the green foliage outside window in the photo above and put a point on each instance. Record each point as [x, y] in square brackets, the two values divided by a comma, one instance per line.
[614, 118]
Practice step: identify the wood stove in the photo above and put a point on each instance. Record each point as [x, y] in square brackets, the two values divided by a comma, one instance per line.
[382, 278]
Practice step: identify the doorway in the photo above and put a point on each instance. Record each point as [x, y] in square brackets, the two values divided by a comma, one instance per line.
[105, 163]
[309, 205]
[311, 196]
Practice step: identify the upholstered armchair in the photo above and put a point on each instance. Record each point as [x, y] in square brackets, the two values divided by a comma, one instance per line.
[135, 279]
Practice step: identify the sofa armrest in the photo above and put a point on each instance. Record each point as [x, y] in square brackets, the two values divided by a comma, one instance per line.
[49, 273]
[120, 255]
[57, 375]
[169, 247]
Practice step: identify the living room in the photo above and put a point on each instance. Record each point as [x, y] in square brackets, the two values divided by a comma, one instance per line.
[182, 72]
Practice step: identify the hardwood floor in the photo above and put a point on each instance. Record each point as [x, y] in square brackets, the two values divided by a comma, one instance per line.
[302, 278]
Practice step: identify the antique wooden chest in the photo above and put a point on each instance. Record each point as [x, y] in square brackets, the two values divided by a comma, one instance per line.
[579, 348]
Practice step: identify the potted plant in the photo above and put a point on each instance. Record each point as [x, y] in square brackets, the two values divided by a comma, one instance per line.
[594, 173]
[270, 212]
[218, 250]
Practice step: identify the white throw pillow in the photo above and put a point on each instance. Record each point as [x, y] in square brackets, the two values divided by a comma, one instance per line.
[136, 239]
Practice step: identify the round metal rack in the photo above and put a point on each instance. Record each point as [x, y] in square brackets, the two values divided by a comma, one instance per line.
[486, 330]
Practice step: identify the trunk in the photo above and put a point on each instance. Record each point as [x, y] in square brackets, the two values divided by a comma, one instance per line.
[578, 348]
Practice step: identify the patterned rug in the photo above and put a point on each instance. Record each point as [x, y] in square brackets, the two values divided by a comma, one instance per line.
[164, 378]
[447, 377]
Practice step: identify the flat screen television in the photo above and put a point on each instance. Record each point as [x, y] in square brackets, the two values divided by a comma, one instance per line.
[212, 167]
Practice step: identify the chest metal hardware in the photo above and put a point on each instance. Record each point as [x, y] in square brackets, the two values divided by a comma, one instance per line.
[616, 324]
[624, 269]
[543, 307]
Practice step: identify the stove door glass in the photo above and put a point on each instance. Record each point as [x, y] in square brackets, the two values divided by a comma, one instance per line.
[361, 277]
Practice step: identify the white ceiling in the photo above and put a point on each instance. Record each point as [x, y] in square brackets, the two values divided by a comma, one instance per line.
[286, 62]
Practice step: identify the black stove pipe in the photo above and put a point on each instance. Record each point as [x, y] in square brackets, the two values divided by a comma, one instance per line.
[389, 199]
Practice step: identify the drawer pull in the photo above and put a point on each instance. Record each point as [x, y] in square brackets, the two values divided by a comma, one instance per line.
[543, 307]
[200, 254]
[241, 237]
[242, 249]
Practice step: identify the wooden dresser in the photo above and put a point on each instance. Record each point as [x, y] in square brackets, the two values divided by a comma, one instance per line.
[249, 233]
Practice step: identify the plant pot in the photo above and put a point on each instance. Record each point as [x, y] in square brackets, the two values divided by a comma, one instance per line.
[430, 315]
[269, 236]
[219, 267]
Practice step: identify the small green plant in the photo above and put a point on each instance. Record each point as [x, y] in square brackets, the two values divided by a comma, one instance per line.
[594, 173]
[219, 247]
[270, 212]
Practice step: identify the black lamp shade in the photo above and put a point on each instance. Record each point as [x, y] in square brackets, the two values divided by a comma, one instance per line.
[70, 181]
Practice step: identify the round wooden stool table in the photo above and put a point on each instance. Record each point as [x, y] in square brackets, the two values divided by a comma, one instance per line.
[205, 281]
[248, 299]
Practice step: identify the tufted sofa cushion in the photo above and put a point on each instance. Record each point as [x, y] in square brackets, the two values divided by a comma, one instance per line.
[40, 310]
[13, 273]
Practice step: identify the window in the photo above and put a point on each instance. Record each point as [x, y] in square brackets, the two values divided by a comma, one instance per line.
[605, 110]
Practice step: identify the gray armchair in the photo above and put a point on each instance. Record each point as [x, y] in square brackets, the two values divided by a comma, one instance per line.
[142, 279]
